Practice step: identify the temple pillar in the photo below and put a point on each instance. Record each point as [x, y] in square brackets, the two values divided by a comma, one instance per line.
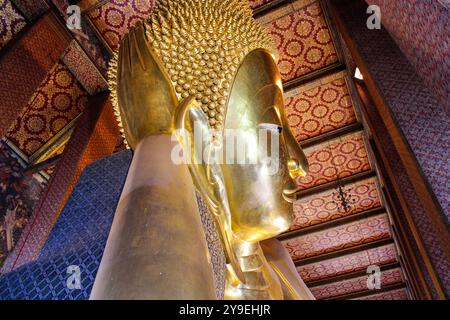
[156, 247]
[94, 138]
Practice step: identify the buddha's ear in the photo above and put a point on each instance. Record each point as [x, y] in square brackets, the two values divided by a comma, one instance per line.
[195, 135]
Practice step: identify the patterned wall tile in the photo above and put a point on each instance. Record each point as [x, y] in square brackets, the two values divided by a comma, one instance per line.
[340, 237]
[322, 207]
[84, 69]
[11, 22]
[97, 117]
[78, 238]
[116, 17]
[399, 294]
[420, 29]
[333, 159]
[354, 285]
[302, 37]
[349, 263]
[25, 65]
[58, 100]
[319, 107]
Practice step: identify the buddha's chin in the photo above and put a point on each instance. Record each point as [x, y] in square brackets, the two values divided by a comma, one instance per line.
[272, 228]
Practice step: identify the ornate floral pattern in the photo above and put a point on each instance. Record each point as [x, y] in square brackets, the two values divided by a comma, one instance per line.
[349, 263]
[116, 17]
[319, 107]
[323, 207]
[11, 22]
[337, 158]
[59, 99]
[340, 237]
[354, 285]
[302, 37]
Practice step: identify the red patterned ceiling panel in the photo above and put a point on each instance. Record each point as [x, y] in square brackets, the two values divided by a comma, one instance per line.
[399, 294]
[354, 285]
[302, 37]
[319, 107]
[340, 237]
[116, 17]
[58, 100]
[323, 207]
[337, 158]
[11, 22]
[349, 263]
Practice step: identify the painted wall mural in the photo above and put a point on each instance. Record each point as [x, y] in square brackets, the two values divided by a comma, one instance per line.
[19, 194]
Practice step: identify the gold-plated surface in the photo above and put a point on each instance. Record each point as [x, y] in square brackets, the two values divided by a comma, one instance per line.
[293, 286]
[156, 248]
[208, 65]
[143, 98]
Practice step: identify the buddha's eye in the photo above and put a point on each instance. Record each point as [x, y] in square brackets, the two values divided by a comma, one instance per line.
[271, 127]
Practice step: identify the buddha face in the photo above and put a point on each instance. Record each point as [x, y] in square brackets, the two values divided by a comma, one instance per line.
[259, 192]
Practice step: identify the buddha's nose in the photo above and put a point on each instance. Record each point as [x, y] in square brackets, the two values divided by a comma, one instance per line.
[295, 169]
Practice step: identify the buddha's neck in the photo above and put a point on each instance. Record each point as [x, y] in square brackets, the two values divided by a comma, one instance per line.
[260, 281]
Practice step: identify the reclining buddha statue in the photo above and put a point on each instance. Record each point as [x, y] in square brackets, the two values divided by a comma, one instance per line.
[201, 72]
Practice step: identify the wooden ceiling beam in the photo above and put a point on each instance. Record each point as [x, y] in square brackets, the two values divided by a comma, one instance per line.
[366, 293]
[331, 185]
[350, 275]
[265, 8]
[354, 127]
[345, 251]
[314, 75]
[333, 223]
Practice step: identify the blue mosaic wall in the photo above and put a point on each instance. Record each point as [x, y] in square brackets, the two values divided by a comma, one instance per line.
[78, 238]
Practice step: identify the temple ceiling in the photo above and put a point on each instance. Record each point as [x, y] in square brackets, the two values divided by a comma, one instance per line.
[331, 246]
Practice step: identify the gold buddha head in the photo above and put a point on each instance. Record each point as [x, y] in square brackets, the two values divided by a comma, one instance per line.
[220, 65]
[259, 192]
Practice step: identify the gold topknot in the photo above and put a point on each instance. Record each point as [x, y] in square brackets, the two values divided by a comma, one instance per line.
[202, 43]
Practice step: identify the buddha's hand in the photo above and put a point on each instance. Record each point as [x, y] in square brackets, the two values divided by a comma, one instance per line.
[145, 95]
